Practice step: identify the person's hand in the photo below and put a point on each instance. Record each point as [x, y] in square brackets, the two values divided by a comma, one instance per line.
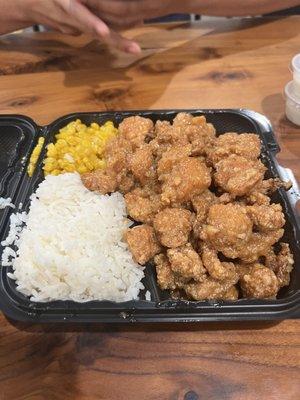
[126, 13]
[74, 17]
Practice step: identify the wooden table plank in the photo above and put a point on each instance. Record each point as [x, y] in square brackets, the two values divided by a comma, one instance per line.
[220, 64]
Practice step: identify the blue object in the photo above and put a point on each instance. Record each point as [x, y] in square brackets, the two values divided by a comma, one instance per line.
[170, 18]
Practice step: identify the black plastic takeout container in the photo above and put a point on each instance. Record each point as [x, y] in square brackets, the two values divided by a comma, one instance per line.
[18, 136]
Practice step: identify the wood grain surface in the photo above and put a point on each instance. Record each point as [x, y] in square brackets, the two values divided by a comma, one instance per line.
[217, 64]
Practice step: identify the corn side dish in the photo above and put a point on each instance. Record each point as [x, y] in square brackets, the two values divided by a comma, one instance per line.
[35, 155]
[79, 148]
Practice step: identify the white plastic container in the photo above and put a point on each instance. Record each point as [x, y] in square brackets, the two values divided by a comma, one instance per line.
[296, 73]
[292, 105]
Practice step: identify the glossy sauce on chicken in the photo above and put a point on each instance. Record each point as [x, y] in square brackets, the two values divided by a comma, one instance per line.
[204, 206]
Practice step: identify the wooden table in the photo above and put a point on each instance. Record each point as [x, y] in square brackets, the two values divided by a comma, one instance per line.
[208, 65]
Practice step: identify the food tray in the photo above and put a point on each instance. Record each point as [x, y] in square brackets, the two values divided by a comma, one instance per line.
[19, 135]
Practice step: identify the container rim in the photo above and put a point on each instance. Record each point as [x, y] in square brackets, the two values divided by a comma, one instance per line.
[296, 63]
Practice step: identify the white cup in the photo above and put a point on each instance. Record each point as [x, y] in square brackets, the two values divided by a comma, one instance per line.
[292, 103]
[296, 73]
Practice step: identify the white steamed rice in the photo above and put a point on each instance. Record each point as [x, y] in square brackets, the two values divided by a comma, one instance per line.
[5, 203]
[70, 245]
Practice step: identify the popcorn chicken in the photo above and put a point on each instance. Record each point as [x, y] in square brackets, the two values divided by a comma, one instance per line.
[142, 243]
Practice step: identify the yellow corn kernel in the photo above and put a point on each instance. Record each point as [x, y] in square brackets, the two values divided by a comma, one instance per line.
[100, 164]
[50, 160]
[48, 167]
[61, 163]
[73, 140]
[30, 170]
[82, 169]
[51, 152]
[61, 143]
[95, 126]
[35, 155]
[78, 148]
[85, 143]
[69, 168]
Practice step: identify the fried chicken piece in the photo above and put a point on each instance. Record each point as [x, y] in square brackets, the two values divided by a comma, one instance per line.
[271, 185]
[171, 157]
[109, 179]
[185, 262]
[225, 198]
[142, 243]
[166, 278]
[136, 129]
[102, 181]
[141, 164]
[207, 128]
[169, 134]
[260, 194]
[257, 197]
[165, 275]
[231, 294]
[105, 181]
[246, 145]
[152, 188]
[217, 270]
[188, 178]
[281, 264]
[257, 246]
[141, 206]
[166, 137]
[198, 132]
[183, 119]
[229, 230]
[116, 154]
[201, 204]
[197, 227]
[227, 225]
[249, 251]
[185, 129]
[211, 289]
[158, 149]
[125, 183]
[267, 217]
[260, 283]
[238, 175]
[242, 268]
[172, 226]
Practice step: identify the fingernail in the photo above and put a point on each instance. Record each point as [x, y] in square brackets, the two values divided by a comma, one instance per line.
[102, 31]
[133, 48]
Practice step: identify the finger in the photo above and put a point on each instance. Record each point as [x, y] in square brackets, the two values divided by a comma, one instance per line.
[122, 23]
[69, 30]
[59, 26]
[87, 21]
[90, 23]
[125, 25]
[119, 8]
[123, 44]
